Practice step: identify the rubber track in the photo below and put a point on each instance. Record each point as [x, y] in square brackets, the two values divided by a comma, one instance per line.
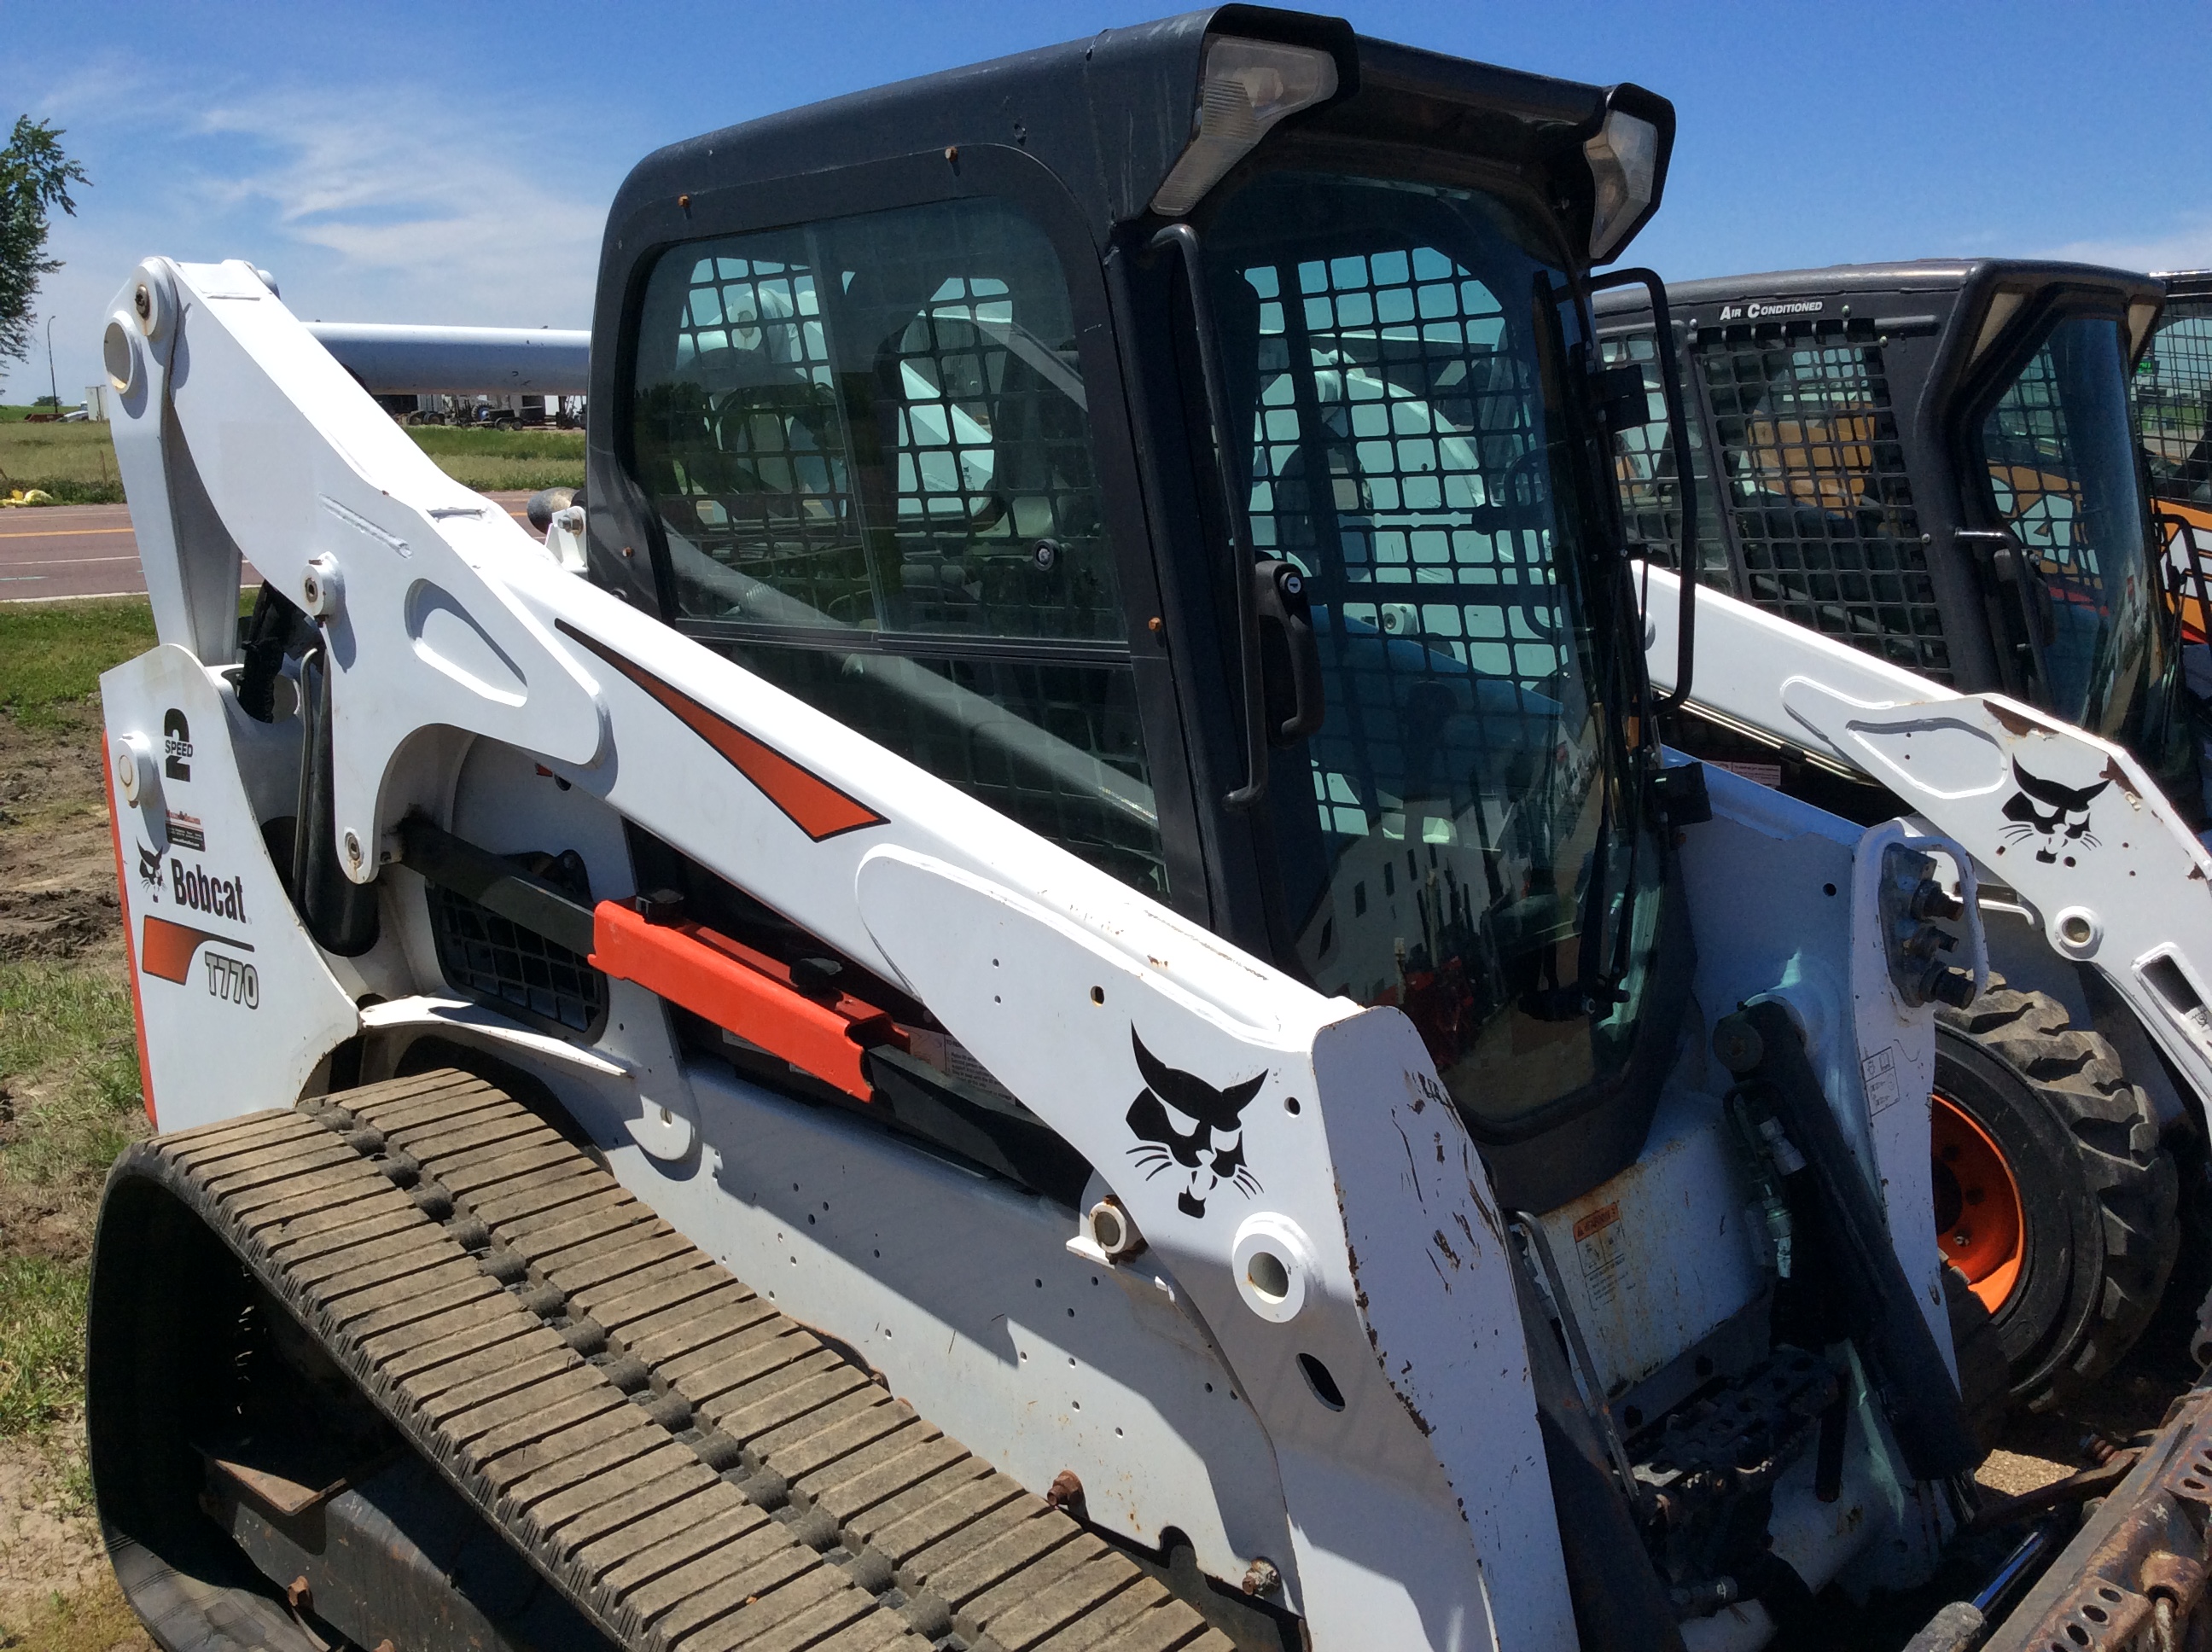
[690, 1466]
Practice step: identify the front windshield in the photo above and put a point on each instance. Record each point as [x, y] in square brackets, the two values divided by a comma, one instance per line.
[2061, 462]
[1472, 847]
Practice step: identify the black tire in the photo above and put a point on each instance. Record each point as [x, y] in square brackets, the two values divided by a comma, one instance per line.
[2097, 1191]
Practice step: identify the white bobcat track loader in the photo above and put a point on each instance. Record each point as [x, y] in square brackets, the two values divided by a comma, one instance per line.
[968, 1038]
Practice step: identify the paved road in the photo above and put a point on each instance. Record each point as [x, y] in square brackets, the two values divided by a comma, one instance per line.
[50, 552]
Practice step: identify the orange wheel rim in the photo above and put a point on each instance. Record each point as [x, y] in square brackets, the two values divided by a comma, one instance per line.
[1979, 1222]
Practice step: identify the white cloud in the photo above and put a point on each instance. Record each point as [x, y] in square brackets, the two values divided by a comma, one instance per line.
[418, 197]
[2185, 244]
[370, 203]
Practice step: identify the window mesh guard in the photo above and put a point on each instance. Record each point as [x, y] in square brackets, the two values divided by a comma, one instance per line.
[1817, 490]
[2033, 469]
[869, 441]
[891, 454]
[1644, 467]
[1395, 459]
[1814, 484]
[2173, 402]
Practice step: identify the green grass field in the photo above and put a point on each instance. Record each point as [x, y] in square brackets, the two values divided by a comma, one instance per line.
[490, 460]
[52, 652]
[69, 1097]
[76, 463]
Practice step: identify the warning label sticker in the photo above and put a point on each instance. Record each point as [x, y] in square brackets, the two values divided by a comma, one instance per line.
[1879, 1070]
[1601, 1247]
[1604, 1217]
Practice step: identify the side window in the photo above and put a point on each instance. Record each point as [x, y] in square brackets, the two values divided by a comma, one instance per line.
[2061, 469]
[868, 443]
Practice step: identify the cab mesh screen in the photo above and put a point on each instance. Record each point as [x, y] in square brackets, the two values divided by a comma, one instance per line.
[2035, 462]
[1644, 465]
[2173, 401]
[1814, 484]
[868, 443]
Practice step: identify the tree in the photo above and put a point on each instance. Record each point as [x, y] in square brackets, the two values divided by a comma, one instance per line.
[34, 177]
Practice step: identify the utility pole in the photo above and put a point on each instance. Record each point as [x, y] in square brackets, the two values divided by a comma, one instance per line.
[53, 386]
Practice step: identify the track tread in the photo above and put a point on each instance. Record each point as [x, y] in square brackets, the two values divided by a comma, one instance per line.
[856, 1490]
[1019, 1630]
[337, 1206]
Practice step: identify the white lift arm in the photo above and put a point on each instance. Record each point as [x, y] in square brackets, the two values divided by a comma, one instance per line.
[2073, 825]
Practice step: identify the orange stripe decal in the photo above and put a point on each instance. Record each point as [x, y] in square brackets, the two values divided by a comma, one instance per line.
[168, 948]
[123, 902]
[816, 807]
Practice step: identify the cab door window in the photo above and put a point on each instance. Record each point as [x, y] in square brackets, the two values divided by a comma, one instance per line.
[2060, 465]
[1818, 493]
[1466, 846]
[868, 442]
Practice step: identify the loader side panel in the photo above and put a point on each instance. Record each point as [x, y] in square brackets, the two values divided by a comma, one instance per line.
[236, 1005]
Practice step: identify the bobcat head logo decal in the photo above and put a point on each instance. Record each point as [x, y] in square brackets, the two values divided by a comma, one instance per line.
[150, 872]
[1184, 1124]
[2058, 815]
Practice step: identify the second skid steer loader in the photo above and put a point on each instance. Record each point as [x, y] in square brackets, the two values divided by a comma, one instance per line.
[1040, 984]
[1930, 464]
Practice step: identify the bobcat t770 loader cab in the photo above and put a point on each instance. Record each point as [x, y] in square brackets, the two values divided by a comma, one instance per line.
[1931, 464]
[1065, 1001]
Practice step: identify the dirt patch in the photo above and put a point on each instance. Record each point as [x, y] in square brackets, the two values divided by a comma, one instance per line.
[2128, 1402]
[54, 1580]
[56, 856]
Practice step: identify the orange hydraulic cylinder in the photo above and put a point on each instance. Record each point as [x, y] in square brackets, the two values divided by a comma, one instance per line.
[745, 991]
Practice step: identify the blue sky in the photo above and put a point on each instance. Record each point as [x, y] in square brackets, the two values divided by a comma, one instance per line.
[453, 162]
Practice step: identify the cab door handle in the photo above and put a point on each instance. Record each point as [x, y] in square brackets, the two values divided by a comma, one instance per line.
[1290, 654]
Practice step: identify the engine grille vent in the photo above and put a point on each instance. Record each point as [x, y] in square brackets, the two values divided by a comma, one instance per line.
[514, 969]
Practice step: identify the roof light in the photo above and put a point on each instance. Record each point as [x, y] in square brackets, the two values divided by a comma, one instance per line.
[1249, 86]
[1623, 163]
[2002, 307]
[2140, 314]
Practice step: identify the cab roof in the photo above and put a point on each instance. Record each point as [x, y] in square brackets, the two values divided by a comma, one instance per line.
[1930, 276]
[1109, 116]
